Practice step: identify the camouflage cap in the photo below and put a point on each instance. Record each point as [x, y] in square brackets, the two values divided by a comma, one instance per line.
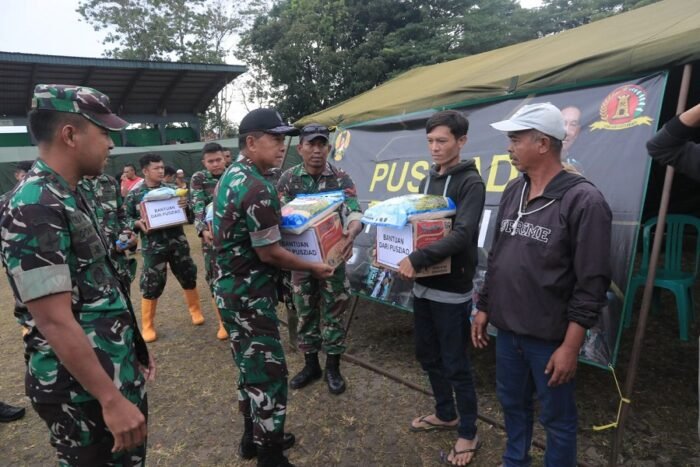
[88, 102]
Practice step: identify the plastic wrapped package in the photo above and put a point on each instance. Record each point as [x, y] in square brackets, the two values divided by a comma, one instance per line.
[300, 213]
[396, 212]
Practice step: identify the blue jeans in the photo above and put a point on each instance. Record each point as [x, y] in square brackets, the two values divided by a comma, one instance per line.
[442, 337]
[520, 365]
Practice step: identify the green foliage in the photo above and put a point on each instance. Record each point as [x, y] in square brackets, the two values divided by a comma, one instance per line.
[193, 31]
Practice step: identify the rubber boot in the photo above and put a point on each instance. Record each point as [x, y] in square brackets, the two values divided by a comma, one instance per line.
[311, 372]
[148, 315]
[221, 334]
[247, 448]
[271, 455]
[192, 298]
[336, 383]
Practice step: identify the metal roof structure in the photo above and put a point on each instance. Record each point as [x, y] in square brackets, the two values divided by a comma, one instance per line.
[140, 91]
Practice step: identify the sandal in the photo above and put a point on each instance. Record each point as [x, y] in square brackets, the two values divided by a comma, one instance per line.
[429, 426]
[444, 457]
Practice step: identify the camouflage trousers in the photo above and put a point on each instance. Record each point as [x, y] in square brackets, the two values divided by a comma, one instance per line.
[262, 369]
[319, 301]
[126, 266]
[81, 438]
[155, 272]
[209, 259]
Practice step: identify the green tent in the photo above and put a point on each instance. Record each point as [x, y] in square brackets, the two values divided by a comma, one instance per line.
[652, 38]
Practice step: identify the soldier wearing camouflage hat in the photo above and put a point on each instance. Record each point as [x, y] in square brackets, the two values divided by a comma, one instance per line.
[248, 259]
[87, 364]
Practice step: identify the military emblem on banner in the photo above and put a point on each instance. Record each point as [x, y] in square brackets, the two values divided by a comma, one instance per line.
[623, 108]
[342, 141]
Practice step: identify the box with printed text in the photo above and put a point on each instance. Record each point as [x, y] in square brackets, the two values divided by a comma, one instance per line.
[322, 242]
[394, 244]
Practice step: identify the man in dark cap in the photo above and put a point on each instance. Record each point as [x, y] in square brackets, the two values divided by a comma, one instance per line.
[86, 361]
[248, 258]
[321, 300]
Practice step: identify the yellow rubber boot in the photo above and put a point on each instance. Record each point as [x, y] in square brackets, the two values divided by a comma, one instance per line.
[192, 298]
[221, 334]
[148, 314]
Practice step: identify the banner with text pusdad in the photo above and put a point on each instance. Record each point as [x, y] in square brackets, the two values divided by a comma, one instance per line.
[607, 128]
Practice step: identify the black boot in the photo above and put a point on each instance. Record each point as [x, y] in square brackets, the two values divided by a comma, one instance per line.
[336, 383]
[311, 372]
[271, 455]
[248, 450]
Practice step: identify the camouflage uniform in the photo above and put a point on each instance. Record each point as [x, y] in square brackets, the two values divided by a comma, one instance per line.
[51, 243]
[246, 216]
[104, 195]
[160, 247]
[319, 300]
[202, 187]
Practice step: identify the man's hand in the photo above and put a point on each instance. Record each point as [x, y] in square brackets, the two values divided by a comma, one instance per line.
[150, 372]
[141, 225]
[321, 270]
[562, 365]
[126, 422]
[406, 271]
[207, 237]
[182, 202]
[480, 338]
[347, 247]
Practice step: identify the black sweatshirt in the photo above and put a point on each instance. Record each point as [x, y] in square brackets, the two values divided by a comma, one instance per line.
[466, 189]
[672, 145]
[555, 268]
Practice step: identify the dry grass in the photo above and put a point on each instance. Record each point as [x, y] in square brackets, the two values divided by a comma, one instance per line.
[193, 419]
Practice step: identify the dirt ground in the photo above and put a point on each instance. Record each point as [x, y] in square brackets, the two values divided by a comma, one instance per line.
[193, 419]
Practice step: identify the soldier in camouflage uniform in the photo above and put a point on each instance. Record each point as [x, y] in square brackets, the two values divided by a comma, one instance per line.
[316, 300]
[103, 192]
[87, 363]
[160, 248]
[202, 185]
[248, 258]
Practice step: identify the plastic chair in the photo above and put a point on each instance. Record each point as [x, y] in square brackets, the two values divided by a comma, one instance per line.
[669, 274]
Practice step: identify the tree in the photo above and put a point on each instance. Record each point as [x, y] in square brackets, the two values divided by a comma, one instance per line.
[567, 14]
[169, 30]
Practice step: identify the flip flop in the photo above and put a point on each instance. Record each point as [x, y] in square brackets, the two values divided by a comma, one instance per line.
[431, 426]
[444, 457]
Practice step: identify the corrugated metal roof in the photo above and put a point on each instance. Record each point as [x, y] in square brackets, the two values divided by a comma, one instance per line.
[133, 86]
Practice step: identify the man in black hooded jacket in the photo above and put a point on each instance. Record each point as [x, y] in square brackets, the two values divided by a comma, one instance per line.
[442, 304]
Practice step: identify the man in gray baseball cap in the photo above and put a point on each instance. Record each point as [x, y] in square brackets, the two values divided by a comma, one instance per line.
[547, 276]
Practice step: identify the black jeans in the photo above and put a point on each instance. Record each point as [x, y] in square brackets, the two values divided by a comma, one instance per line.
[442, 337]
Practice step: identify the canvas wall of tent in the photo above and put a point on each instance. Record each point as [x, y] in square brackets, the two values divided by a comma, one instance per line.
[619, 76]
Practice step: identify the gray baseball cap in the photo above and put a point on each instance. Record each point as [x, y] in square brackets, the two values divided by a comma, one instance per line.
[543, 117]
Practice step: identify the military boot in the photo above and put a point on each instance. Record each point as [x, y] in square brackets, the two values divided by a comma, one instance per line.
[192, 299]
[148, 316]
[271, 455]
[221, 334]
[311, 371]
[336, 383]
[247, 448]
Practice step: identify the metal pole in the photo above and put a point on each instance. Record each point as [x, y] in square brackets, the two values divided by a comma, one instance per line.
[649, 285]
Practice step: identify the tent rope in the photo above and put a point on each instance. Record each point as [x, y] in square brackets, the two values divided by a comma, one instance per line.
[623, 400]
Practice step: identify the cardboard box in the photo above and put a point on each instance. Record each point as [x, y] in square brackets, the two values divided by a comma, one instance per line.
[320, 243]
[394, 244]
[163, 213]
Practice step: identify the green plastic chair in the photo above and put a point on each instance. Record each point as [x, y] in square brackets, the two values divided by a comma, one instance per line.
[669, 274]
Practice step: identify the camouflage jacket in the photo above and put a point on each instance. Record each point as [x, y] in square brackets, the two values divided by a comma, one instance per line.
[104, 194]
[51, 244]
[156, 241]
[202, 185]
[296, 180]
[246, 216]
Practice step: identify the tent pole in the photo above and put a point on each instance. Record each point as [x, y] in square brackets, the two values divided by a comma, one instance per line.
[649, 285]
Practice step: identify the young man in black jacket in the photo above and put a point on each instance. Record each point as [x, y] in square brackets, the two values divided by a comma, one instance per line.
[442, 304]
[548, 273]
